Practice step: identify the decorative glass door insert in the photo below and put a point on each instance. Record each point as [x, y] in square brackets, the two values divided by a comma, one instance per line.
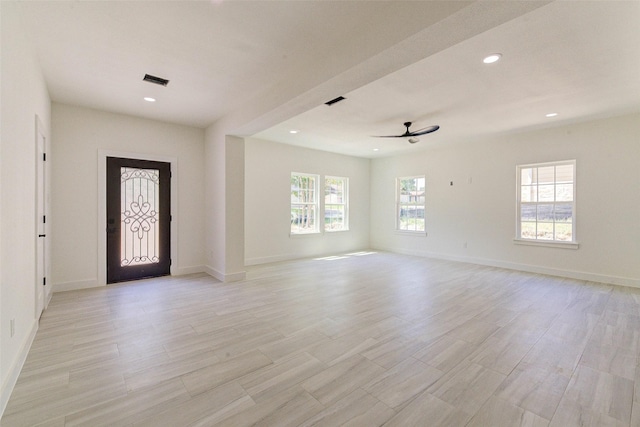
[140, 219]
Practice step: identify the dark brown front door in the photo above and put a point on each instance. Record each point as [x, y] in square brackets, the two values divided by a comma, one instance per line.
[138, 219]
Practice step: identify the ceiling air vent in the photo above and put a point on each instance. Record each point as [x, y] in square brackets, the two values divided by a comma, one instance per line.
[157, 80]
[333, 101]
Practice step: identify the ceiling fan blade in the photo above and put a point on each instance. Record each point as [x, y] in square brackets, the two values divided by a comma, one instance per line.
[425, 131]
[408, 134]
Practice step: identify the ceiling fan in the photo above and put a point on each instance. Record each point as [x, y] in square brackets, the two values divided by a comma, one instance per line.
[412, 135]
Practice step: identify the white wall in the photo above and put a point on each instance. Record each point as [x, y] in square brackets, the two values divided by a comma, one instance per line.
[234, 206]
[483, 212]
[78, 134]
[24, 95]
[268, 168]
[224, 202]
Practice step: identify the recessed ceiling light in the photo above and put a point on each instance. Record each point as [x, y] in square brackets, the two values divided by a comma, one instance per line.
[293, 131]
[551, 115]
[494, 57]
[149, 99]
[376, 149]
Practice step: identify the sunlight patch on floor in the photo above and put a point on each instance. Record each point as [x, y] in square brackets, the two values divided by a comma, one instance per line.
[345, 256]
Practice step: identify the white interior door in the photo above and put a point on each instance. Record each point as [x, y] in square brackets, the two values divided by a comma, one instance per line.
[41, 265]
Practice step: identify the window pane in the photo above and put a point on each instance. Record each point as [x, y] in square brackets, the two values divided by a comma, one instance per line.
[335, 199]
[412, 190]
[563, 212]
[564, 173]
[545, 212]
[546, 175]
[546, 193]
[303, 218]
[334, 217]
[411, 218]
[528, 230]
[564, 192]
[419, 193]
[302, 189]
[407, 186]
[403, 220]
[295, 192]
[296, 214]
[564, 231]
[334, 190]
[527, 176]
[529, 193]
[545, 231]
[528, 212]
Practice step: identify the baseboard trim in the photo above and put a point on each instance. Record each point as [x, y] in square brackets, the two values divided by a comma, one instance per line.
[14, 371]
[74, 286]
[48, 298]
[181, 271]
[549, 271]
[231, 277]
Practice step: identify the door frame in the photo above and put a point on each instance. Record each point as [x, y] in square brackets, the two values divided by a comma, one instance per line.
[102, 206]
[41, 252]
[157, 217]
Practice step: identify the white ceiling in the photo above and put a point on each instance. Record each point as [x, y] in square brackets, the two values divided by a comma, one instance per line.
[394, 61]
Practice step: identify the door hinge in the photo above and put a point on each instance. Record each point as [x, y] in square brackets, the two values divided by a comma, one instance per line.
[44, 281]
[170, 262]
[170, 217]
[44, 157]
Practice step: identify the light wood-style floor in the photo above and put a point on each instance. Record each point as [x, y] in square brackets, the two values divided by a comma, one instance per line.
[362, 340]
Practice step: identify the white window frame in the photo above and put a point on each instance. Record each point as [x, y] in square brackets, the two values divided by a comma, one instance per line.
[344, 204]
[400, 204]
[571, 244]
[314, 204]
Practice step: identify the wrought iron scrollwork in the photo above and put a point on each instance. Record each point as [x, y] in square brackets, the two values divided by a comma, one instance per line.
[139, 190]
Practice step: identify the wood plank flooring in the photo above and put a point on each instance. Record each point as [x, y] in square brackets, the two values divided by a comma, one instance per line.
[364, 339]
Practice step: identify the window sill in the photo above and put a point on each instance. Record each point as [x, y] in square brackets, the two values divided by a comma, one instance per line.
[310, 233]
[547, 243]
[316, 233]
[411, 233]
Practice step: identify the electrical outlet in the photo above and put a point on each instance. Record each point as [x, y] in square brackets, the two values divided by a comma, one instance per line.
[13, 326]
